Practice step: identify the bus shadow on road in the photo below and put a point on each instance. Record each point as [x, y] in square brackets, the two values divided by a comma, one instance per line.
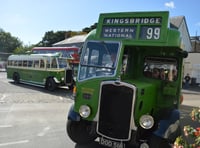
[61, 91]
[96, 145]
[92, 145]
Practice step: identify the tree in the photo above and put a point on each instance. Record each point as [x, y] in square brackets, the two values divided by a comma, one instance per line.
[8, 43]
[88, 29]
[23, 49]
[51, 37]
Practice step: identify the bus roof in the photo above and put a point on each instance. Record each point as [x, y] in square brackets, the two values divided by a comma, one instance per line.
[55, 48]
[32, 56]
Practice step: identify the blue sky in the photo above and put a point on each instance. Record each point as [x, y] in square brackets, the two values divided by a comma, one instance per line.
[28, 20]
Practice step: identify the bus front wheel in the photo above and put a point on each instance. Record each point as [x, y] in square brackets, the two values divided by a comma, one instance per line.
[158, 142]
[72, 85]
[50, 84]
[16, 78]
[81, 132]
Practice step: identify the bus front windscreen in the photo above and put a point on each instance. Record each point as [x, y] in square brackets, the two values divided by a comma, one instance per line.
[98, 59]
[62, 63]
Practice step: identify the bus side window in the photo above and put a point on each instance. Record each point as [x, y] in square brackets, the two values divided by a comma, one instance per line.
[48, 63]
[9, 63]
[24, 63]
[36, 64]
[15, 63]
[20, 63]
[125, 61]
[54, 63]
[30, 63]
[41, 63]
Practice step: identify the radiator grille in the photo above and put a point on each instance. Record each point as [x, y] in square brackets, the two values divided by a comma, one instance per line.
[115, 110]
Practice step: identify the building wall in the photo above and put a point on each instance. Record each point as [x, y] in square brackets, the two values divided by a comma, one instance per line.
[192, 66]
[185, 36]
[195, 43]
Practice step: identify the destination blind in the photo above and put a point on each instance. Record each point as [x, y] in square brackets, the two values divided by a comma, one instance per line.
[149, 27]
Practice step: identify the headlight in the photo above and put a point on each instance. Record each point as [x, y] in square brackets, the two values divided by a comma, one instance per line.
[84, 111]
[146, 121]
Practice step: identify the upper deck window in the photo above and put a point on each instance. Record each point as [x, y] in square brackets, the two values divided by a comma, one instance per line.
[98, 59]
[160, 68]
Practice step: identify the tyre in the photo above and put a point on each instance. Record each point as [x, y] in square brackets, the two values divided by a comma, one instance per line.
[50, 84]
[81, 132]
[158, 142]
[16, 78]
[72, 85]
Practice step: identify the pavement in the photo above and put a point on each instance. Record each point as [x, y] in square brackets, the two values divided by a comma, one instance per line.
[191, 96]
[2, 70]
[191, 90]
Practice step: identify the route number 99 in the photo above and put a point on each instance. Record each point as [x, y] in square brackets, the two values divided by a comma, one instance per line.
[153, 33]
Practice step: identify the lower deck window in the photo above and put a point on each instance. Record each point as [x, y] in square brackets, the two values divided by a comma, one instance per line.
[160, 68]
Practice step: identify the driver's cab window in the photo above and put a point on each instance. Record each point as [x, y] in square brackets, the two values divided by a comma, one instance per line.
[109, 58]
[93, 60]
[160, 68]
[98, 59]
[94, 57]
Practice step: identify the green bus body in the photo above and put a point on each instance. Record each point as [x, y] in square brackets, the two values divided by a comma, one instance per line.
[126, 103]
[46, 70]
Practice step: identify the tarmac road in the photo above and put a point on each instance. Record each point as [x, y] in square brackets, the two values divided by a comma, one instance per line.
[31, 117]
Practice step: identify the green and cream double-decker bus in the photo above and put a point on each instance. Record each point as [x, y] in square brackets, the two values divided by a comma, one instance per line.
[47, 70]
[128, 87]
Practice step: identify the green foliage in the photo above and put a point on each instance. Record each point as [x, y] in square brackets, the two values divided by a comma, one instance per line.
[52, 37]
[23, 49]
[179, 142]
[88, 29]
[8, 43]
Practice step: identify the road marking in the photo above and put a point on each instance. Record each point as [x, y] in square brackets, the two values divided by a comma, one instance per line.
[3, 97]
[14, 142]
[61, 98]
[44, 131]
[5, 126]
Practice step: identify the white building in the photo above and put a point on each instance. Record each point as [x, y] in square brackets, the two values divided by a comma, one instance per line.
[180, 24]
[192, 66]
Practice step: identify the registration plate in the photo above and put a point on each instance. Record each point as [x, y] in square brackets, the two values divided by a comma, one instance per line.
[110, 143]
